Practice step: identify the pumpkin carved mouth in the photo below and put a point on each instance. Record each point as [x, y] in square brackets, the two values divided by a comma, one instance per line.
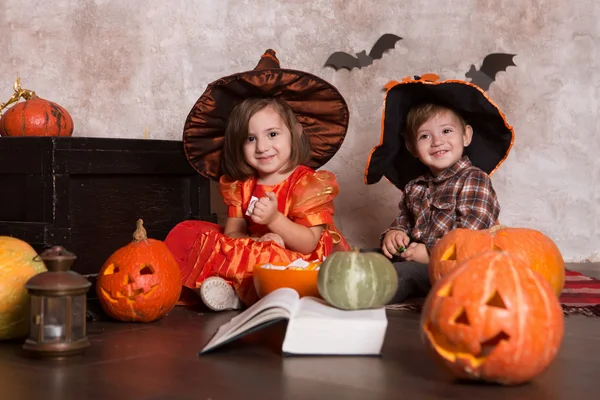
[133, 289]
[453, 351]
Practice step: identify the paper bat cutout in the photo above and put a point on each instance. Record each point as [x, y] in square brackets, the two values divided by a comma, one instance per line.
[492, 64]
[341, 59]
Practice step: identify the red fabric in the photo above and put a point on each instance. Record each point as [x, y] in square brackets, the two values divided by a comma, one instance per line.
[182, 242]
[581, 294]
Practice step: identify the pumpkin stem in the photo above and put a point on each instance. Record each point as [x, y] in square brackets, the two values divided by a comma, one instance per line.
[24, 93]
[140, 232]
[497, 228]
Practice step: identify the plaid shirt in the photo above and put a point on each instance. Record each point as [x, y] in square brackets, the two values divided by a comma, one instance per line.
[460, 197]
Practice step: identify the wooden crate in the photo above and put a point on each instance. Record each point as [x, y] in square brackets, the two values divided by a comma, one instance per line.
[87, 193]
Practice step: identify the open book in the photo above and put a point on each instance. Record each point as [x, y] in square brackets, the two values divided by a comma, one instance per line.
[314, 327]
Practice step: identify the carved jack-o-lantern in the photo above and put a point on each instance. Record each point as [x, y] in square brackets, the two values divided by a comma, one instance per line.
[139, 282]
[539, 250]
[494, 319]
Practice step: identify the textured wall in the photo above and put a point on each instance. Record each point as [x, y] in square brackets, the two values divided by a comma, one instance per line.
[121, 67]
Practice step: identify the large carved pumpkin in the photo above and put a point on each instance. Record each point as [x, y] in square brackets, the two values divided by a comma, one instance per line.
[351, 280]
[17, 265]
[139, 282]
[34, 117]
[494, 319]
[457, 245]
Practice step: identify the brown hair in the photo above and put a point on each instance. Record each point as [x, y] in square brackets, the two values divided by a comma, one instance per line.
[233, 163]
[420, 114]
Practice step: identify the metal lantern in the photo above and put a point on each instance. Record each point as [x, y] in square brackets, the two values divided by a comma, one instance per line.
[57, 307]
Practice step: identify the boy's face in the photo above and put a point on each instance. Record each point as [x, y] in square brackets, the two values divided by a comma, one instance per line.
[440, 141]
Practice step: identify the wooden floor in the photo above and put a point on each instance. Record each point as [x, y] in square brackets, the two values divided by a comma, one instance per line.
[159, 361]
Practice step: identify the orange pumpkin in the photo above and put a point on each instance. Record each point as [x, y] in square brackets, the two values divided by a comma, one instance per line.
[34, 117]
[17, 265]
[139, 282]
[493, 319]
[459, 244]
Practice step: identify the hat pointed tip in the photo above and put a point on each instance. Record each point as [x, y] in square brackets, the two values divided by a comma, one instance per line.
[268, 60]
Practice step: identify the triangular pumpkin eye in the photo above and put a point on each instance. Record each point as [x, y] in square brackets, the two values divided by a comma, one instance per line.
[450, 254]
[496, 301]
[462, 318]
[111, 269]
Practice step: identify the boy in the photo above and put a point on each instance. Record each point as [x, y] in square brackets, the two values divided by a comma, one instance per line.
[447, 190]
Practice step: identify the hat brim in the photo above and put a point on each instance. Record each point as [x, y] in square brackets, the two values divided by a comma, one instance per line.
[319, 107]
[492, 135]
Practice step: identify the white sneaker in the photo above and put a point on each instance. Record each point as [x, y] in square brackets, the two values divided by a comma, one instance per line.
[218, 295]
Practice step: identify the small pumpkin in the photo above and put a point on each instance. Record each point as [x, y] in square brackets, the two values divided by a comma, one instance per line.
[493, 319]
[34, 117]
[140, 282]
[459, 244]
[351, 280]
[17, 265]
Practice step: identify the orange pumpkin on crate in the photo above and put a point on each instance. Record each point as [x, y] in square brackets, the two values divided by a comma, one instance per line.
[34, 117]
[140, 282]
[493, 319]
[457, 245]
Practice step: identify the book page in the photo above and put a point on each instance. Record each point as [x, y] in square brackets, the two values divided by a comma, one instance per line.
[279, 304]
[317, 328]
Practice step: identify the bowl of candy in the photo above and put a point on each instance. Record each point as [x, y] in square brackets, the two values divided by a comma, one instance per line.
[299, 275]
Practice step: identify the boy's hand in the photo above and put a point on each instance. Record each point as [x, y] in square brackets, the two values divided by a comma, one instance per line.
[416, 252]
[265, 209]
[273, 237]
[394, 242]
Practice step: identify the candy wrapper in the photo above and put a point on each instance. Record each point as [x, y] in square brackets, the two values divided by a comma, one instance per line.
[298, 264]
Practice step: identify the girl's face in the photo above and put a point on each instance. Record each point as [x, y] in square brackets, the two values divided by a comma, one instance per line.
[268, 146]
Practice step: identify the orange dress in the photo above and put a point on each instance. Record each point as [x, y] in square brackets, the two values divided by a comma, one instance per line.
[202, 250]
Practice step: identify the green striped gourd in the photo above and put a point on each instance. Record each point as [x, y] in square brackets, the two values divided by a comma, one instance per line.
[351, 280]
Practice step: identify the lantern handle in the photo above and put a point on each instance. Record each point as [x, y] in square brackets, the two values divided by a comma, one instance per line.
[56, 258]
[24, 93]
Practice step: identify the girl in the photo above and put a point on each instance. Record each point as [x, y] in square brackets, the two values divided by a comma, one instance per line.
[278, 209]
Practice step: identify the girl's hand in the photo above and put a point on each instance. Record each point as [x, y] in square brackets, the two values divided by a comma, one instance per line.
[416, 252]
[394, 242]
[272, 237]
[265, 210]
